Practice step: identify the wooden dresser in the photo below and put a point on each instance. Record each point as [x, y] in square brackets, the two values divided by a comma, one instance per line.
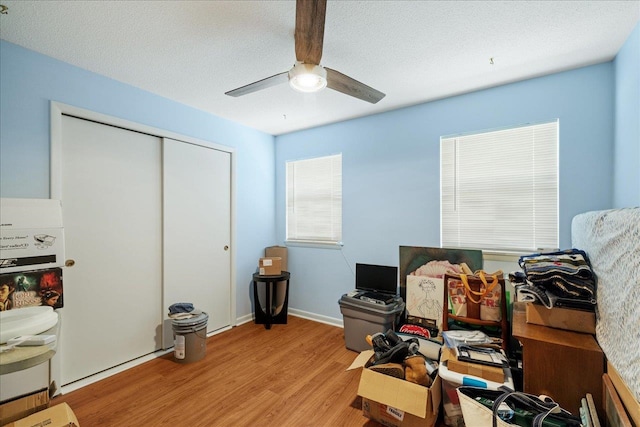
[561, 364]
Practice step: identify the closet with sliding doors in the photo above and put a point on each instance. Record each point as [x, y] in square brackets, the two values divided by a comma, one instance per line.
[147, 222]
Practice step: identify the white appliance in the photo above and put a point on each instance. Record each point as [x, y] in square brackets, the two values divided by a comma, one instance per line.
[31, 238]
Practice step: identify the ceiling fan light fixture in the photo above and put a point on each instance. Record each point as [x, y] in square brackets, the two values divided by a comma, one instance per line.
[307, 77]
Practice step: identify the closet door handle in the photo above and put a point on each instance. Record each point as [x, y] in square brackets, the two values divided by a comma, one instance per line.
[70, 263]
[226, 247]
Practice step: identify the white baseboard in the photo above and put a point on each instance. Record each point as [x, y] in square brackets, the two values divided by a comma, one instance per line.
[298, 313]
[244, 319]
[121, 368]
[139, 361]
[112, 371]
[317, 317]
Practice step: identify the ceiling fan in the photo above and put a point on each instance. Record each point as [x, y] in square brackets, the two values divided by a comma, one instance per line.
[307, 75]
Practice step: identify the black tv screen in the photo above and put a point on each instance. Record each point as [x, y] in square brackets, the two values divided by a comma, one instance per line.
[378, 278]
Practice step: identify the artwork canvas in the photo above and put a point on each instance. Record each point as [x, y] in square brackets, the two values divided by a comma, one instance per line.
[422, 277]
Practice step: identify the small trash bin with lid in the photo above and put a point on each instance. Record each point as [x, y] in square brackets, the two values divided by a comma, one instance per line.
[190, 336]
[362, 318]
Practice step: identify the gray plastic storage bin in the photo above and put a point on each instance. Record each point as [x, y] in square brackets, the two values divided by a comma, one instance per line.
[362, 318]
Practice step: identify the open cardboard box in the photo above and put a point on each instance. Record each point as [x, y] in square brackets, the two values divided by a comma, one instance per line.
[56, 416]
[395, 402]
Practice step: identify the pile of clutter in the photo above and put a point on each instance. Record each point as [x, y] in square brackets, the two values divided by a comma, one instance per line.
[401, 359]
[556, 279]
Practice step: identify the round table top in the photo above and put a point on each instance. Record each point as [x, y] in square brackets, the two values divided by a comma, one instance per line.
[284, 275]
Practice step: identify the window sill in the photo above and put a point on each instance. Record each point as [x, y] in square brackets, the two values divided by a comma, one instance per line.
[312, 244]
[501, 256]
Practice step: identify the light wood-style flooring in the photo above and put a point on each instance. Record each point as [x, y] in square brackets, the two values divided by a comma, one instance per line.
[290, 375]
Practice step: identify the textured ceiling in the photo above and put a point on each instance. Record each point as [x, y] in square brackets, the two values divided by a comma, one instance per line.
[414, 51]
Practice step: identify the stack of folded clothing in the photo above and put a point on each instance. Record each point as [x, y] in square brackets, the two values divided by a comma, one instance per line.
[556, 279]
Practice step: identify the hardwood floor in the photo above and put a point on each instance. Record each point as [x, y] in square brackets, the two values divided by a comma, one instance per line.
[290, 375]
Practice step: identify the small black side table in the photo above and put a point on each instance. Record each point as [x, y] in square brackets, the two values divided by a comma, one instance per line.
[265, 316]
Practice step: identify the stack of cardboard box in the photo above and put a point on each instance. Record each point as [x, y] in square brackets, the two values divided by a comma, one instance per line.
[274, 261]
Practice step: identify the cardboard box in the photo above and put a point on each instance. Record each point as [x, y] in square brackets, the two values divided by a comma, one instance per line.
[395, 402]
[31, 234]
[34, 288]
[57, 416]
[23, 406]
[278, 251]
[270, 266]
[562, 318]
[490, 373]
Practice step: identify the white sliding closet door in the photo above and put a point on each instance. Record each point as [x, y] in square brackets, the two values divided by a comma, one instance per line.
[197, 229]
[111, 196]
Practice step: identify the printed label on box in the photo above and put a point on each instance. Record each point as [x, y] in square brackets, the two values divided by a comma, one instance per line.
[395, 413]
[267, 262]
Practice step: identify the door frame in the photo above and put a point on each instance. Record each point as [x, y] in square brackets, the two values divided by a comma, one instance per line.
[58, 109]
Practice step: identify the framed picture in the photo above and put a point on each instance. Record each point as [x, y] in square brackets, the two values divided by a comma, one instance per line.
[422, 278]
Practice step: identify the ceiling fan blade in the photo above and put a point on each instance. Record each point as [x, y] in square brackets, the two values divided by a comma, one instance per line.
[309, 34]
[260, 84]
[347, 85]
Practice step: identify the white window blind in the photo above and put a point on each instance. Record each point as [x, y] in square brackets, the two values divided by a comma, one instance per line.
[314, 200]
[499, 189]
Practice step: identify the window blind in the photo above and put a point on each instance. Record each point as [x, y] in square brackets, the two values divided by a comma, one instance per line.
[314, 200]
[499, 189]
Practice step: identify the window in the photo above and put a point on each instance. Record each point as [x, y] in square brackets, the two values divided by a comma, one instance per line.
[314, 200]
[499, 189]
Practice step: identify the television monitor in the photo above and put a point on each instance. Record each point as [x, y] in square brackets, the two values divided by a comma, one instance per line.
[377, 278]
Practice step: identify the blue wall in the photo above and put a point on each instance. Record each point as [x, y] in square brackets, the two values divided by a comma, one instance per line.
[391, 181]
[626, 190]
[390, 160]
[29, 81]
